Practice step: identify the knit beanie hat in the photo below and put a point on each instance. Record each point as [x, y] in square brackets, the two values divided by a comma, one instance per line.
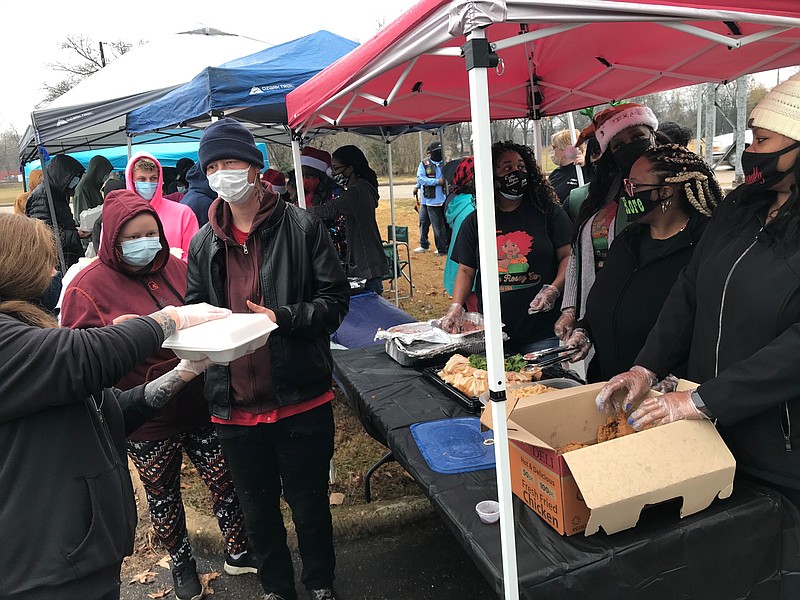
[228, 138]
[613, 120]
[465, 172]
[316, 159]
[779, 111]
[276, 179]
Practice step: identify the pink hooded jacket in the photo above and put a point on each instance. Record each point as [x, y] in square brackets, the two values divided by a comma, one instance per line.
[178, 220]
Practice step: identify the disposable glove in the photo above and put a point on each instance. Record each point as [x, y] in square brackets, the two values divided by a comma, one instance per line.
[579, 339]
[666, 385]
[196, 367]
[545, 300]
[636, 382]
[195, 314]
[661, 410]
[453, 319]
[565, 324]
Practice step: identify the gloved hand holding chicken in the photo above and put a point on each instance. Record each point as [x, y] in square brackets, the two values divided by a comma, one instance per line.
[664, 409]
[636, 383]
[452, 321]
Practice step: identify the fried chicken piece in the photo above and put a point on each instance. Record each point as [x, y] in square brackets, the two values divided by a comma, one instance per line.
[616, 426]
[570, 447]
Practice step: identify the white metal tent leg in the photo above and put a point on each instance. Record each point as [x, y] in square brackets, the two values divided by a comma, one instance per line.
[537, 140]
[484, 185]
[394, 231]
[130, 147]
[298, 171]
[573, 139]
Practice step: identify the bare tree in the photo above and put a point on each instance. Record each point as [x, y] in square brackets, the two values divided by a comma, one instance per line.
[9, 150]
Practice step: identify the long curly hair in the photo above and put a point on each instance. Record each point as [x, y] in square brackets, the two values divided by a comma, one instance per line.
[27, 258]
[700, 191]
[539, 192]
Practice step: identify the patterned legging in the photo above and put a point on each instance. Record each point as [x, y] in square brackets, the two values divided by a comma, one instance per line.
[159, 465]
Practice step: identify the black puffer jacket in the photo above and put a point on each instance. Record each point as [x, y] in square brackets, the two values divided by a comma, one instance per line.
[734, 314]
[301, 280]
[61, 170]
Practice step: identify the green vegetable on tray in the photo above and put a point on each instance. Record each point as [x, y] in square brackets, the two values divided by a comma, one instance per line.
[514, 362]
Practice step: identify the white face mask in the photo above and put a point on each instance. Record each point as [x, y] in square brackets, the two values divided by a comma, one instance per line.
[232, 185]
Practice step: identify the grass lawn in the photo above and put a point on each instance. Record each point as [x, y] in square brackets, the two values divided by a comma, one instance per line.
[9, 193]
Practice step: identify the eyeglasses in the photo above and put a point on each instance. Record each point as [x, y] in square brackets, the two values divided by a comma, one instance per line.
[631, 187]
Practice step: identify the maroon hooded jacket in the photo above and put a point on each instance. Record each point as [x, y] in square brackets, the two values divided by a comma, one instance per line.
[107, 288]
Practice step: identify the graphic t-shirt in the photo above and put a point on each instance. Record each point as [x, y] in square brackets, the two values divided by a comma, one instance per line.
[527, 241]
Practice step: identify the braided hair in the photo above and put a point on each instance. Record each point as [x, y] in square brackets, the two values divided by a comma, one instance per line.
[698, 184]
[539, 193]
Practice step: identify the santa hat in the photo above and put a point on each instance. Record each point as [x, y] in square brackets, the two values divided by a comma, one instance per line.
[276, 179]
[316, 159]
[779, 111]
[613, 120]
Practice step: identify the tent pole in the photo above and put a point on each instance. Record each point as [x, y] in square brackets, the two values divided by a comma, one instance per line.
[298, 170]
[573, 139]
[130, 147]
[479, 57]
[699, 132]
[46, 181]
[421, 149]
[394, 230]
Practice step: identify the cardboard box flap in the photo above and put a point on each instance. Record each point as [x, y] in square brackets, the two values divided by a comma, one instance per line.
[618, 478]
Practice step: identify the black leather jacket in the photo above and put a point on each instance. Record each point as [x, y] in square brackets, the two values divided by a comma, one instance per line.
[301, 280]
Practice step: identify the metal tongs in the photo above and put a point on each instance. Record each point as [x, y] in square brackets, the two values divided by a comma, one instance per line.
[551, 356]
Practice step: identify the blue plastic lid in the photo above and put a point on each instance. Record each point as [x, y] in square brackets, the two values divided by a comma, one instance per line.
[454, 445]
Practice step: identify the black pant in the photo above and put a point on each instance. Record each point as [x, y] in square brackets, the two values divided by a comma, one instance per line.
[296, 453]
[112, 595]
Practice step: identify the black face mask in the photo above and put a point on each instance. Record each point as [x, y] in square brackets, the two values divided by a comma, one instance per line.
[761, 168]
[513, 185]
[639, 205]
[436, 155]
[628, 154]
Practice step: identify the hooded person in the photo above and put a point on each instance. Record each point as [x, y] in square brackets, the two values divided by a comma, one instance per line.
[143, 175]
[35, 177]
[179, 185]
[87, 193]
[199, 196]
[63, 174]
[136, 274]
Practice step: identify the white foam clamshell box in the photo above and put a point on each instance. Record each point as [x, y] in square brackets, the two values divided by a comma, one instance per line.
[223, 340]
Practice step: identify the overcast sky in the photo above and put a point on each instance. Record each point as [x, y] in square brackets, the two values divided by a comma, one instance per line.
[31, 42]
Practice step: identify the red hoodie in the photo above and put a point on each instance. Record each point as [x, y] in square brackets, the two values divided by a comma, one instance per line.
[106, 289]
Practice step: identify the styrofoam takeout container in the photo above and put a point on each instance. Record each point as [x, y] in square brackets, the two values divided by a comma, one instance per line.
[223, 340]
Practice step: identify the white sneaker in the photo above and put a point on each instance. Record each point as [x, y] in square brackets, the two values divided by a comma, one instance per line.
[420, 249]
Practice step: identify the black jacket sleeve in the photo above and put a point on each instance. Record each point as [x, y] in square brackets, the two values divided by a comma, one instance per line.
[197, 288]
[135, 410]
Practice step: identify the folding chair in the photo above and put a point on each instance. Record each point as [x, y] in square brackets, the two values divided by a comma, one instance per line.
[403, 258]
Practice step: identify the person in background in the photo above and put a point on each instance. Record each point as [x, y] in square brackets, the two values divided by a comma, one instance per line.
[676, 133]
[733, 314]
[532, 237]
[143, 176]
[431, 183]
[277, 180]
[320, 190]
[35, 177]
[357, 203]
[623, 133]
[109, 186]
[272, 409]
[459, 208]
[565, 156]
[69, 512]
[577, 196]
[87, 193]
[180, 185]
[63, 174]
[291, 188]
[199, 196]
[137, 274]
[669, 197]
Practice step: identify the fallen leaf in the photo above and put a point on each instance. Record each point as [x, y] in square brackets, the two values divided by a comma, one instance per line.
[144, 577]
[336, 499]
[184, 486]
[164, 562]
[160, 593]
[205, 581]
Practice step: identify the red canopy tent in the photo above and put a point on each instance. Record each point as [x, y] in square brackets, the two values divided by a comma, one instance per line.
[443, 61]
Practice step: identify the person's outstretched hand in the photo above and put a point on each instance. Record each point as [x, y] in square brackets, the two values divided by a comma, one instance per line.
[195, 314]
[451, 322]
[664, 409]
[565, 324]
[545, 300]
[256, 308]
[636, 382]
[195, 367]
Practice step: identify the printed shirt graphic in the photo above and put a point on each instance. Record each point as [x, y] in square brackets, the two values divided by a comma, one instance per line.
[526, 242]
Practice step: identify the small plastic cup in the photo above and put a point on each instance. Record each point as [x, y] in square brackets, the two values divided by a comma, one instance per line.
[488, 511]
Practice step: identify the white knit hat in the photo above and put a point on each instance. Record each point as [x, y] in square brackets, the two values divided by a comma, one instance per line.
[613, 120]
[779, 111]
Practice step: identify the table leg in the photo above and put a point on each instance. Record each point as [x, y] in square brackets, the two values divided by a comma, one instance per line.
[389, 457]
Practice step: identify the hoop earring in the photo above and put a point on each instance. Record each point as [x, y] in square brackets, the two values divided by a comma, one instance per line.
[665, 205]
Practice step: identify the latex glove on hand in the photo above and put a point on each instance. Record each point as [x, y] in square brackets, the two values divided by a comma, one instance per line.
[565, 324]
[195, 367]
[451, 322]
[636, 382]
[545, 300]
[666, 385]
[195, 314]
[579, 339]
[661, 410]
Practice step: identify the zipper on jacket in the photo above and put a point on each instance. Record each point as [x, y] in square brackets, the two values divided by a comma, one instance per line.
[722, 302]
[244, 248]
[787, 430]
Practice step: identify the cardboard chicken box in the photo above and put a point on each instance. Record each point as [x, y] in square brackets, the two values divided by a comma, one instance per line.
[608, 484]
